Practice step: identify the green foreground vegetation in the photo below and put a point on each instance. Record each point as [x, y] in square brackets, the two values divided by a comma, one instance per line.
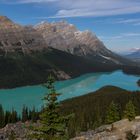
[94, 109]
[105, 106]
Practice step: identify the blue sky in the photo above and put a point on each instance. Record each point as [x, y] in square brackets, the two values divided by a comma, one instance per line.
[115, 22]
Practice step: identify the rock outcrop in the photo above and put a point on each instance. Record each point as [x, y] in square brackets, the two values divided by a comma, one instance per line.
[20, 131]
[116, 131]
[17, 38]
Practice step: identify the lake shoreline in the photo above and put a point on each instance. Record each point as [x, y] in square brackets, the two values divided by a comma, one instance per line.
[31, 96]
[38, 83]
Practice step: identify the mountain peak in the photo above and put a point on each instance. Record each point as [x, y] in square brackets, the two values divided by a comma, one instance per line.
[4, 19]
[135, 50]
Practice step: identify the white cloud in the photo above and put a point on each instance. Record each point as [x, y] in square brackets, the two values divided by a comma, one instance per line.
[36, 1]
[26, 1]
[129, 21]
[120, 36]
[80, 8]
[130, 34]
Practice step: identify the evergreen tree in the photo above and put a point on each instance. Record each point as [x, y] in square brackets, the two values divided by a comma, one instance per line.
[33, 115]
[53, 124]
[14, 117]
[112, 113]
[130, 111]
[7, 117]
[24, 114]
[2, 117]
[138, 82]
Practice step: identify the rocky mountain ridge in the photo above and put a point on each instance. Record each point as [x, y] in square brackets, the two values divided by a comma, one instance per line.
[58, 35]
[66, 37]
[134, 55]
[17, 38]
[72, 40]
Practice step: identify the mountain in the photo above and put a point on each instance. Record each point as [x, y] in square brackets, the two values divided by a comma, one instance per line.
[134, 54]
[68, 38]
[16, 38]
[28, 54]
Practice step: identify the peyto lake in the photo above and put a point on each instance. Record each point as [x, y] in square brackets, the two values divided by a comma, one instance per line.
[32, 95]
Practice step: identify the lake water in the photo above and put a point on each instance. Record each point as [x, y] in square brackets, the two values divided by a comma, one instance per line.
[32, 95]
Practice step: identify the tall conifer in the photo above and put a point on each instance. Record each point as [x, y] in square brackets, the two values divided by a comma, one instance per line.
[53, 125]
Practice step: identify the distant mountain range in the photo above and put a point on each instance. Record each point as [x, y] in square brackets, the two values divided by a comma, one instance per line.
[29, 53]
[134, 54]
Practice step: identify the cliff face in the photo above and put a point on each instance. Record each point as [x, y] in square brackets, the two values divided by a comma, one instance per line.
[60, 35]
[17, 38]
[67, 37]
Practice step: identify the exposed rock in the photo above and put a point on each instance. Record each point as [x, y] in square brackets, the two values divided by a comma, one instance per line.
[61, 75]
[59, 35]
[67, 37]
[17, 38]
[19, 129]
[115, 131]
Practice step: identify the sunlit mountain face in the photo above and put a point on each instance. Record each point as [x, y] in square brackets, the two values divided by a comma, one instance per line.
[116, 23]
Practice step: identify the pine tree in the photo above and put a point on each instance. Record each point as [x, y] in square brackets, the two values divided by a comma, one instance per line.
[14, 117]
[130, 111]
[138, 82]
[2, 117]
[112, 113]
[33, 115]
[7, 117]
[24, 114]
[53, 124]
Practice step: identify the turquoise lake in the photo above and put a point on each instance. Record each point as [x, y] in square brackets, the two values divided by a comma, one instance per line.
[32, 95]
